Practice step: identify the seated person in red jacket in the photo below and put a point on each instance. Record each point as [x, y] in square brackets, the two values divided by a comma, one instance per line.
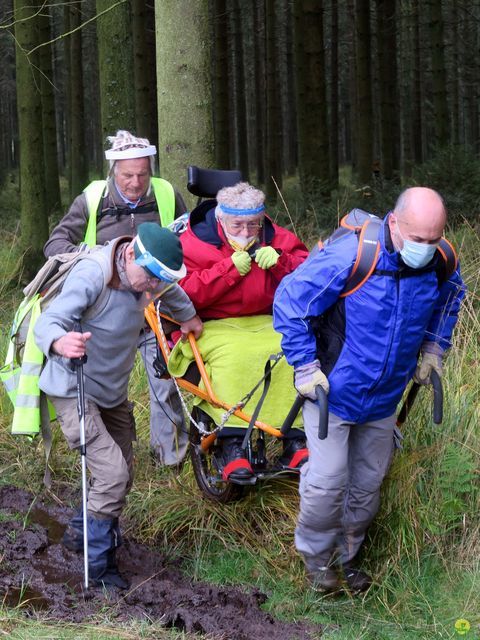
[235, 258]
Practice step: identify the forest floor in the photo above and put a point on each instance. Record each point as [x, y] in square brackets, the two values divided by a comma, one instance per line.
[38, 574]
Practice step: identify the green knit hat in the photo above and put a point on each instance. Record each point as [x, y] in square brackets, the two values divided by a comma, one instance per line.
[159, 252]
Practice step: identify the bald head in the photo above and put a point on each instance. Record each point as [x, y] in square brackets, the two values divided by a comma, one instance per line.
[419, 215]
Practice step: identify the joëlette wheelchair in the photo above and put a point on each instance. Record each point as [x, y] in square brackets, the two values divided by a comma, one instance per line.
[205, 183]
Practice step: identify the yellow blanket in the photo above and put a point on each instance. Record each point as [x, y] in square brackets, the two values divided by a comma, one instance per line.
[235, 351]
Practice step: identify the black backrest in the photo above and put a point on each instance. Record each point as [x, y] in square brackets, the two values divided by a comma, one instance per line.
[205, 183]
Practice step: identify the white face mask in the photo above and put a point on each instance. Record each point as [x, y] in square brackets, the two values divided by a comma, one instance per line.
[416, 254]
[240, 240]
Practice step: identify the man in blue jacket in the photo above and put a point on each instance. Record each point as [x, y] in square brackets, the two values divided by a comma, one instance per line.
[363, 350]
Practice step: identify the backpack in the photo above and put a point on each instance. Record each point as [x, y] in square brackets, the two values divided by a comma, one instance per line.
[39, 293]
[367, 226]
[24, 362]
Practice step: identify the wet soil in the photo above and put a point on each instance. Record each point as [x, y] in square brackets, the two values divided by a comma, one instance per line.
[39, 575]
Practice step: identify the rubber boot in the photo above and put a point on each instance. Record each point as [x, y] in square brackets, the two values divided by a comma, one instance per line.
[73, 536]
[103, 540]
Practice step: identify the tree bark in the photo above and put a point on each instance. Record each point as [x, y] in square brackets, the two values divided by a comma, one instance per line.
[240, 107]
[221, 85]
[334, 95]
[52, 184]
[364, 116]
[78, 154]
[389, 106]
[185, 126]
[273, 155]
[439, 75]
[260, 82]
[417, 116]
[145, 98]
[115, 57]
[313, 156]
[33, 211]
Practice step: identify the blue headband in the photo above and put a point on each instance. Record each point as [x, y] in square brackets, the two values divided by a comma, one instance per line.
[241, 212]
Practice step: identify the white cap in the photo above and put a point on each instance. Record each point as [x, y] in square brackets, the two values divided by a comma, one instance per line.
[131, 152]
[125, 146]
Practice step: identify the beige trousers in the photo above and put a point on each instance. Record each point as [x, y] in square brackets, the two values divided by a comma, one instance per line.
[109, 434]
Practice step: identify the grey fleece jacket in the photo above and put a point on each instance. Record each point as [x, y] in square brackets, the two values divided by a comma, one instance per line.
[115, 330]
[114, 219]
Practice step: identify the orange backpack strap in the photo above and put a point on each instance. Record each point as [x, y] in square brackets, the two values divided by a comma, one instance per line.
[367, 255]
[449, 262]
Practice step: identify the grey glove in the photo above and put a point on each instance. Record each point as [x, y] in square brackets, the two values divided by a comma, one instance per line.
[307, 377]
[431, 354]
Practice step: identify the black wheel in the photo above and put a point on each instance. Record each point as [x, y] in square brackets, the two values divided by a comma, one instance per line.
[205, 467]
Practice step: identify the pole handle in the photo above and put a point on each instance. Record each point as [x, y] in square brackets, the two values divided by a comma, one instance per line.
[77, 327]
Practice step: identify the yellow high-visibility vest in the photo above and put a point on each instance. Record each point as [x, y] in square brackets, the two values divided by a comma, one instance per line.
[162, 190]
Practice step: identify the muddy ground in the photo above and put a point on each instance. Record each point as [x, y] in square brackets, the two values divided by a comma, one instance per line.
[37, 572]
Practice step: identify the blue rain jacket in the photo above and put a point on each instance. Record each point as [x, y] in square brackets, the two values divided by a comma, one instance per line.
[373, 344]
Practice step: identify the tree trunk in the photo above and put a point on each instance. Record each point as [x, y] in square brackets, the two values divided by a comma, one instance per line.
[364, 116]
[221, 85]
[439, 75]
[33, 214]
[417, 119]
[115, 57]
[183, 70]
[334, 95]
[144, 92]
[240, 107]
[313, 156]
[389, 106]
[52, 184]
[260, 81]
[273, 155]
[78, 155]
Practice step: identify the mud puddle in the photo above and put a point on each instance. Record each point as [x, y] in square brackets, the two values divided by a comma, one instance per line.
[38, 574]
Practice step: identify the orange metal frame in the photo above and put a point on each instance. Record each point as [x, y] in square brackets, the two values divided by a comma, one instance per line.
[207, 393]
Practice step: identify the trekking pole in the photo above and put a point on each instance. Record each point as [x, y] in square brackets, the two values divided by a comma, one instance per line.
[78, 363]
[322, 402]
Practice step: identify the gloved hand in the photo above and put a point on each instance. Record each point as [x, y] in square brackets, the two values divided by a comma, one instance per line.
[266, 257]
[309, 376]
[430, 362]
[242, 261]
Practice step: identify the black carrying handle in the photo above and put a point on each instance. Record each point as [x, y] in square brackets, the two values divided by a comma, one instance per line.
[322, 402]
[436, 383]
[292, 414]
[407, 405]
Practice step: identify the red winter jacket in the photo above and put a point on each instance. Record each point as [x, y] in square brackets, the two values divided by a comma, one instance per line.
[213, 283]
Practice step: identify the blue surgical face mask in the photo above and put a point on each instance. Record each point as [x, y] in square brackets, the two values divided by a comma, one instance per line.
[416, 254]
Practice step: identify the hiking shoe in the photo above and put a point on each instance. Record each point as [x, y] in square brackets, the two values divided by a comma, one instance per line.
[324, 579]
[356, 579]
[295, 453]
[232, 456]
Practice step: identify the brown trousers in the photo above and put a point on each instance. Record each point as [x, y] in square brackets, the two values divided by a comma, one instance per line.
[109, 434]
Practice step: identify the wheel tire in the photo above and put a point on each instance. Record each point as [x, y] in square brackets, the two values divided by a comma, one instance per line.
[204, 469]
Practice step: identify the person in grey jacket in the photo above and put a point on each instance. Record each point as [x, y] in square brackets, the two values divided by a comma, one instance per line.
[114, 207]
[138, 269]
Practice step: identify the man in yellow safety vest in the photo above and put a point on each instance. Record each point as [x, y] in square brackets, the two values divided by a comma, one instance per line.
[115, 207]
